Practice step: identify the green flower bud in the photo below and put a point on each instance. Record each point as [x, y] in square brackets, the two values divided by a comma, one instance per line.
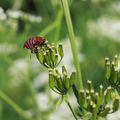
[47, 61]
[101, 99]
[107, 70]
[53, 55]
[60, 50]
[40, 55]
[51, 80]
[56, 59]
[81, 98]
[107, 95]
[115, 76]
[105, 112]
[94, 112]
[97, 100]
[59, 83]
[89, 85]
[72, 78]
[107, 60]
[116, 60]
[87, 92]
[67, 83]
[116, 104]
[64, 70]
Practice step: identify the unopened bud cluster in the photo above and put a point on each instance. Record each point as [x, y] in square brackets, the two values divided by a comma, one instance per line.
[49, 56]
[61, 83]
[112, 72]
[97, 104]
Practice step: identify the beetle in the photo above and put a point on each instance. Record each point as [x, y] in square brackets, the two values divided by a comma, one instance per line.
[34, 42]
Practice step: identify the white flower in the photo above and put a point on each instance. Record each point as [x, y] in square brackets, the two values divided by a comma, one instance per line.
[6, 48]
[14, 13]
[106, 27]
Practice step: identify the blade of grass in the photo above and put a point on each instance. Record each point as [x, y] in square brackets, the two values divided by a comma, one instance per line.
[72, 42]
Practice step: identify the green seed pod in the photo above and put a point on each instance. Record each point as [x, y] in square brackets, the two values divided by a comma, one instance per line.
[94, 112]
[67, 83]
[54, 49]
[88, 102]
[46, 59]
[53, 55]
[107, 70]
[56, 59]
[116, 60]
[115, 76]
[72, 78]
[40, 55]
[107, 60]
[81, 98]
[105, 112]
[116, 104]
[59, 83]
[87, 92]
[97, 100]
[107, 95]
[64, 70]
[90, 87]
[101, 99]
[51, 80]
[92, 94]
[60, 50]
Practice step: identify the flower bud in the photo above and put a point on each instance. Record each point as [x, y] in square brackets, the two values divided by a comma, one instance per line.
[64, 70]
[107, 95]
[116, 104]
[89, 85]
[72, 78]
[60, 50]
[116, 60]
[51, 80]
[107, 70]
[40, 55]
[56, 59]
[101, 95]
[81, 98]
[105, 111]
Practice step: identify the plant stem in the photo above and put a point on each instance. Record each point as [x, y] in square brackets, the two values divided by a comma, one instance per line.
[17, 108]
[69, 105]
[72, 42]
[58, 27]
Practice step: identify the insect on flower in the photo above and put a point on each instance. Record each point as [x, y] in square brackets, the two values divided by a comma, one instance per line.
[33, 42]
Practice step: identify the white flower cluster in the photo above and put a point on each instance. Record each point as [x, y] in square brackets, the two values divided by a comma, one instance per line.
[2, 14]
[16, 14]
[104, 26]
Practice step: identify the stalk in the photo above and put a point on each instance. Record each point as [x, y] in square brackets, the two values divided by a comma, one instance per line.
[72, 42]
[69, 105]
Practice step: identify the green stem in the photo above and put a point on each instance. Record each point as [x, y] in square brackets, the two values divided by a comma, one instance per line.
[72, 42]
[58, 27]
[48, 29]
[69, 105]
[17, 108]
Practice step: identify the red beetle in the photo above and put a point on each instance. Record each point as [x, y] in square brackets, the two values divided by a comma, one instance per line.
[32, 42]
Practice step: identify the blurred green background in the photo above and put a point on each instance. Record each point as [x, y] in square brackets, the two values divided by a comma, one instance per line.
[97, 29]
